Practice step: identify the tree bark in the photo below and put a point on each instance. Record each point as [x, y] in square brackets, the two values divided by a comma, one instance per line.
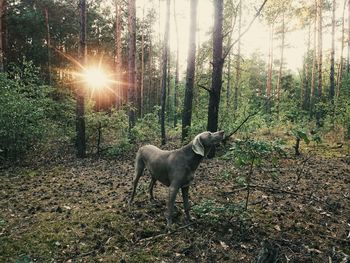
[80, 109]
[238, 62]
[331, 77]
[164, 73]
[218, 61]
[190, 73]
[132, 63]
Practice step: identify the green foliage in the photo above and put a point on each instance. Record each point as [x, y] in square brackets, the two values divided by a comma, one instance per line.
[23, 119]
[255, 152]
[111, 128]
[147, 129]
[215, 212]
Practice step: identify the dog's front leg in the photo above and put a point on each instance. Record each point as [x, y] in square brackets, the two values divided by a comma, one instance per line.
[184, 191]
[171, 203]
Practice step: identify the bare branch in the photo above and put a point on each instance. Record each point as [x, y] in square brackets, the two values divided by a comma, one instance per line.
[246, 30]
[204, 87]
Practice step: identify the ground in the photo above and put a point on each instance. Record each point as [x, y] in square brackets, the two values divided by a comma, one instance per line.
[76, 211]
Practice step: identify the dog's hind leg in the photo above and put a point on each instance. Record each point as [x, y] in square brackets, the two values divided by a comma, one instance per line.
[139, 167]
[151, 185]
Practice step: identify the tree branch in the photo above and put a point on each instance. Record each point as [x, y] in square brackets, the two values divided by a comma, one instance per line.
[246, 30]
[204, 87]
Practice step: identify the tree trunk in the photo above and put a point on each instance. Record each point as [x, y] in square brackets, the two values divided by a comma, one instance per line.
[80, 109]
[132, 63]
[218, 61]
[341, 61]
[279, 79]
[306, 99]
[238, 62]
[313, 71]
[120, 97]
[348, 65]
[331, 76]
[142, 62]
[319, 48]
[319, 62]
[48, 42]
[2, 46]
[176, 67]
[190, 73]
[269, 70]
[164, 74]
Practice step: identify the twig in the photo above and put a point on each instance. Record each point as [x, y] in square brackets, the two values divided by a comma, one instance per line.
[165, 234]
[246, 119]
[246, 30]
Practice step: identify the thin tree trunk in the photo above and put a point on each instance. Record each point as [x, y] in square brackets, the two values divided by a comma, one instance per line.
[80, 109]
[348, 67]
[238, 62]
[168, 99]
[120, 98]
[151, 102]
[2, 46]
[319, 61]
[306, 99]
[176, 67]
[279, 79]
[313, 71]
[132, 63]
[190, 73]
[218, 61]
[270, 62]
[142, 61]
[341, 61]
[164, 74]
[48, 42]
[332, 84]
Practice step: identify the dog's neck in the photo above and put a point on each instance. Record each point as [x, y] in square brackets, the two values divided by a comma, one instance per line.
[194, 159]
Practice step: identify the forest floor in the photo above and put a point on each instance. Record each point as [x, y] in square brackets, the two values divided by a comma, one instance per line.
[76, 211]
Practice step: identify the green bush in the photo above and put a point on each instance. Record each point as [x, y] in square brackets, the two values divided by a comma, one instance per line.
[23, 120]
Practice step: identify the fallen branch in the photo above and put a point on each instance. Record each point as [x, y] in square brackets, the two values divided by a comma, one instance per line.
[164, 234]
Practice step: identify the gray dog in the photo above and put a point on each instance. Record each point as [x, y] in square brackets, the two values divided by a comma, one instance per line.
[174, 169]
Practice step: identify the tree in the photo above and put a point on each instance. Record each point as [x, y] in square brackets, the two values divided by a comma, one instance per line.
[190, 73]
[2, 46]
[80, 109]
[48, 42]
[238, 62]
[279, 79]
[331, 76]
[164, 72]
[132, 62]
[218, 61]
[118, 54]
[341, 60]
[176, 85]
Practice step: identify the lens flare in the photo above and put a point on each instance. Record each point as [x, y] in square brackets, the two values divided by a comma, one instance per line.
[95, 77]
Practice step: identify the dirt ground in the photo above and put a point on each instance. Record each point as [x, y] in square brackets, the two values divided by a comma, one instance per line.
[75, 211]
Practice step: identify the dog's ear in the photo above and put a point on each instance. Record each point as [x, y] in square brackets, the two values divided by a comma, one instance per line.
[197, 145]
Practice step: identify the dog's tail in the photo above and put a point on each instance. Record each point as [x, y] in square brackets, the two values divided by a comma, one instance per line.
[139, 168]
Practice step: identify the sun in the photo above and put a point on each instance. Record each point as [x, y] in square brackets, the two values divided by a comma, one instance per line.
[95, 77]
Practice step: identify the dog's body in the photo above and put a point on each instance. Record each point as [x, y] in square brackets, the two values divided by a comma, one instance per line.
[174, 169]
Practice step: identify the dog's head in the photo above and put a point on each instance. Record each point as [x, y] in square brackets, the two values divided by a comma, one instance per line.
[204, 141]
